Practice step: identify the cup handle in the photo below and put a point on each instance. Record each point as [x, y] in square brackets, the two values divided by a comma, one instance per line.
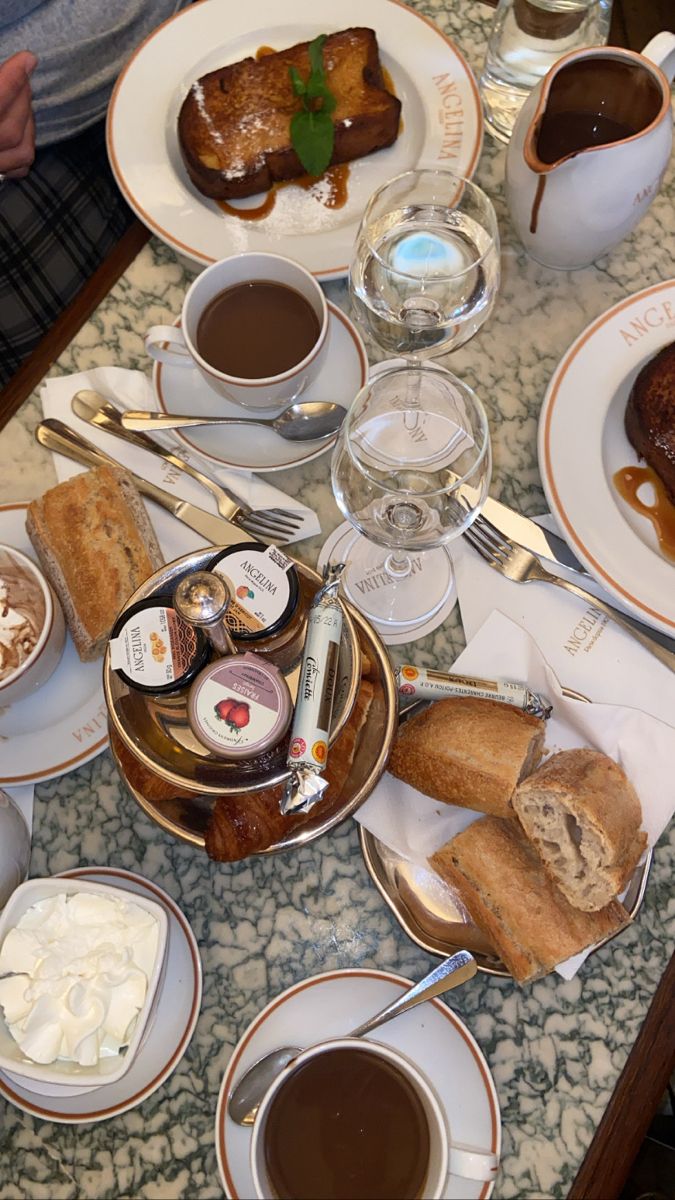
[661, 50]
[471, 1163]
[175, 353]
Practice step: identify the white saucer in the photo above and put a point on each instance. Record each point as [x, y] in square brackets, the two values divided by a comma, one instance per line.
[177, 1008]
[431, 1035]
[62, 725]
[336, 548]
[184, 390]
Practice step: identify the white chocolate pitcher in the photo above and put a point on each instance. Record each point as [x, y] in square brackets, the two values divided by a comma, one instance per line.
[589, 150]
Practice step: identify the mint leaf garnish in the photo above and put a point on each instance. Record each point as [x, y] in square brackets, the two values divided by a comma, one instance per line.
[312, 131]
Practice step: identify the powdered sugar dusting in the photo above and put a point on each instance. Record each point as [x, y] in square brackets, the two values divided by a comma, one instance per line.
[198, 93]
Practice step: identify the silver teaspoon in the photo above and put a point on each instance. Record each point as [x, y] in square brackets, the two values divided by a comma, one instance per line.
[247, 1094]
[307, 420]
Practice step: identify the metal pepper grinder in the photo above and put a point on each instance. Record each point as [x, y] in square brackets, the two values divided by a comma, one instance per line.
[202, 599]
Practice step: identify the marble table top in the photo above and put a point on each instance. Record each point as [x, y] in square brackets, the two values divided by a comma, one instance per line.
[555, 1048]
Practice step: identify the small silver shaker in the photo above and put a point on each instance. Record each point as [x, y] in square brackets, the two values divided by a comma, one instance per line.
[202, 598]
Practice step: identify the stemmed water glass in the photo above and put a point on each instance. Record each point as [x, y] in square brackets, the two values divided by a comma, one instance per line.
[425, 271]
[411, 469]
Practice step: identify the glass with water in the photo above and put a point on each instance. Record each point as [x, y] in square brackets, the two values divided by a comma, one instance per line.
[527, 38]
[425, 272]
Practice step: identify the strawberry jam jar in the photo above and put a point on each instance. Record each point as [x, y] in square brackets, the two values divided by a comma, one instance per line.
[239, 706]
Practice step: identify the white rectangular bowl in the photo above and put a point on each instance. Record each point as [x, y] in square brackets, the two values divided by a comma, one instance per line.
[107, 1070]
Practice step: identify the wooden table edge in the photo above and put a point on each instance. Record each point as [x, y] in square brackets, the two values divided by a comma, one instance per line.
[65, 328]
[636, 1096]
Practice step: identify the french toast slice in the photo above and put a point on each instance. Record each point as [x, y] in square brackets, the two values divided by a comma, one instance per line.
[650, 416]
[234, 124]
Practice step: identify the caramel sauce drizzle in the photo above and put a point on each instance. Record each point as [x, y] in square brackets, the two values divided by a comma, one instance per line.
[661, 512]
[333, 195]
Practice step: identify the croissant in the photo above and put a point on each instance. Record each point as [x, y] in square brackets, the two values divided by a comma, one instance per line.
[249, 823]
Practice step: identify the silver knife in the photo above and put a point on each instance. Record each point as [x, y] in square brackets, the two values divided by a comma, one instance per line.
[54, 435]
[530, 535]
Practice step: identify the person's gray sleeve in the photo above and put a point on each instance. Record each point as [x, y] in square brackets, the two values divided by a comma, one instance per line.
[81, 46]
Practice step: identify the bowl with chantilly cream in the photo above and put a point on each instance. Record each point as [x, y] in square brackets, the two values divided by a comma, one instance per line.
[80, 965]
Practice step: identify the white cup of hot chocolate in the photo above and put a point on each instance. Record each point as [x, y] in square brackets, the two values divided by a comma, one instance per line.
[254, 325]
[32, 627]
[351, 1113]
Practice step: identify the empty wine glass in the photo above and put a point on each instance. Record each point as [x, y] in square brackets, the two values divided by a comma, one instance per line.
[411, 470]
[425, 270]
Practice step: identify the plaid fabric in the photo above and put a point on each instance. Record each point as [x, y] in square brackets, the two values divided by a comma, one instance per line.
[56, 226]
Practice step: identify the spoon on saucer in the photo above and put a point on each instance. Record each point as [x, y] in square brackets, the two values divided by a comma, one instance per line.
[247, 1094]
[306, 420]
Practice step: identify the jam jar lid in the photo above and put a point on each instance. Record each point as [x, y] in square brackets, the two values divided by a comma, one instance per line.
[264, 586]
[239, 706]
[154, 650]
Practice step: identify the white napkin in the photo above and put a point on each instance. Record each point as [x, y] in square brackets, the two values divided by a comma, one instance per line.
[132, 389]
[415, 826]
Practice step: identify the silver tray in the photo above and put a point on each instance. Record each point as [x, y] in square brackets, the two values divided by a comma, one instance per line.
[432, 914]
[156, 730]
[186, 816]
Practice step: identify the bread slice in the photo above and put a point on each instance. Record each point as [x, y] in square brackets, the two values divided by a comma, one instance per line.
[234, 124]
[583, 816]
[510, 897]
[96, 546]
[468, 752]
[650, 416]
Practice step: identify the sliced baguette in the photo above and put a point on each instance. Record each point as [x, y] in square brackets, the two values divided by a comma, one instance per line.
[510, 897]
[96, 546]
[468, 752]
[583, 816]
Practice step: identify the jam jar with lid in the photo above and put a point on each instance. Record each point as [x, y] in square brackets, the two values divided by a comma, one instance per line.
[153, 650]
[266, 613]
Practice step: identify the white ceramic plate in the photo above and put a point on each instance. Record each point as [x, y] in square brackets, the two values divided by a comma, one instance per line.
[442, 124]
[184, 390]
[63, 724]
[168, 1036]
[582, 443]
[431, 1035]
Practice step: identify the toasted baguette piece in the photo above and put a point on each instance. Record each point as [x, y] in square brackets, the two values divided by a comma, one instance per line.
[509, 895]
[583, 817]
[468, 752]
[650, 416]
[234, 124]
[96, 546]
[248, 824]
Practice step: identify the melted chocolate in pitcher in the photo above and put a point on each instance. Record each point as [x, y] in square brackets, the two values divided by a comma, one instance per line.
[592, 102]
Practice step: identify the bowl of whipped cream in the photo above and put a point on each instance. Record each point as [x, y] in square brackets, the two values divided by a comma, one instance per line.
[80, 964]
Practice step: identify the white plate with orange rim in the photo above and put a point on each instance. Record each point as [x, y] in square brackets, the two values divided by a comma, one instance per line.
[441, 125]
[431, 1035]
[582, 444]
[169, 1032]
[64, 723]
[252, 447]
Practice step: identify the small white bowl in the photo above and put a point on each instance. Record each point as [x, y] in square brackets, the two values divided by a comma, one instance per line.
[107, 1070]
[45, 656]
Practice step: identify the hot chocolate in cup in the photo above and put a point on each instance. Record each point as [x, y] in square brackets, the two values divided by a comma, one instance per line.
[354, 1117]
[254, 325]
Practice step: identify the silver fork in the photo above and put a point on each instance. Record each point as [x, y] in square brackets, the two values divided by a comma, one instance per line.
[268, 523]
[518, 564]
